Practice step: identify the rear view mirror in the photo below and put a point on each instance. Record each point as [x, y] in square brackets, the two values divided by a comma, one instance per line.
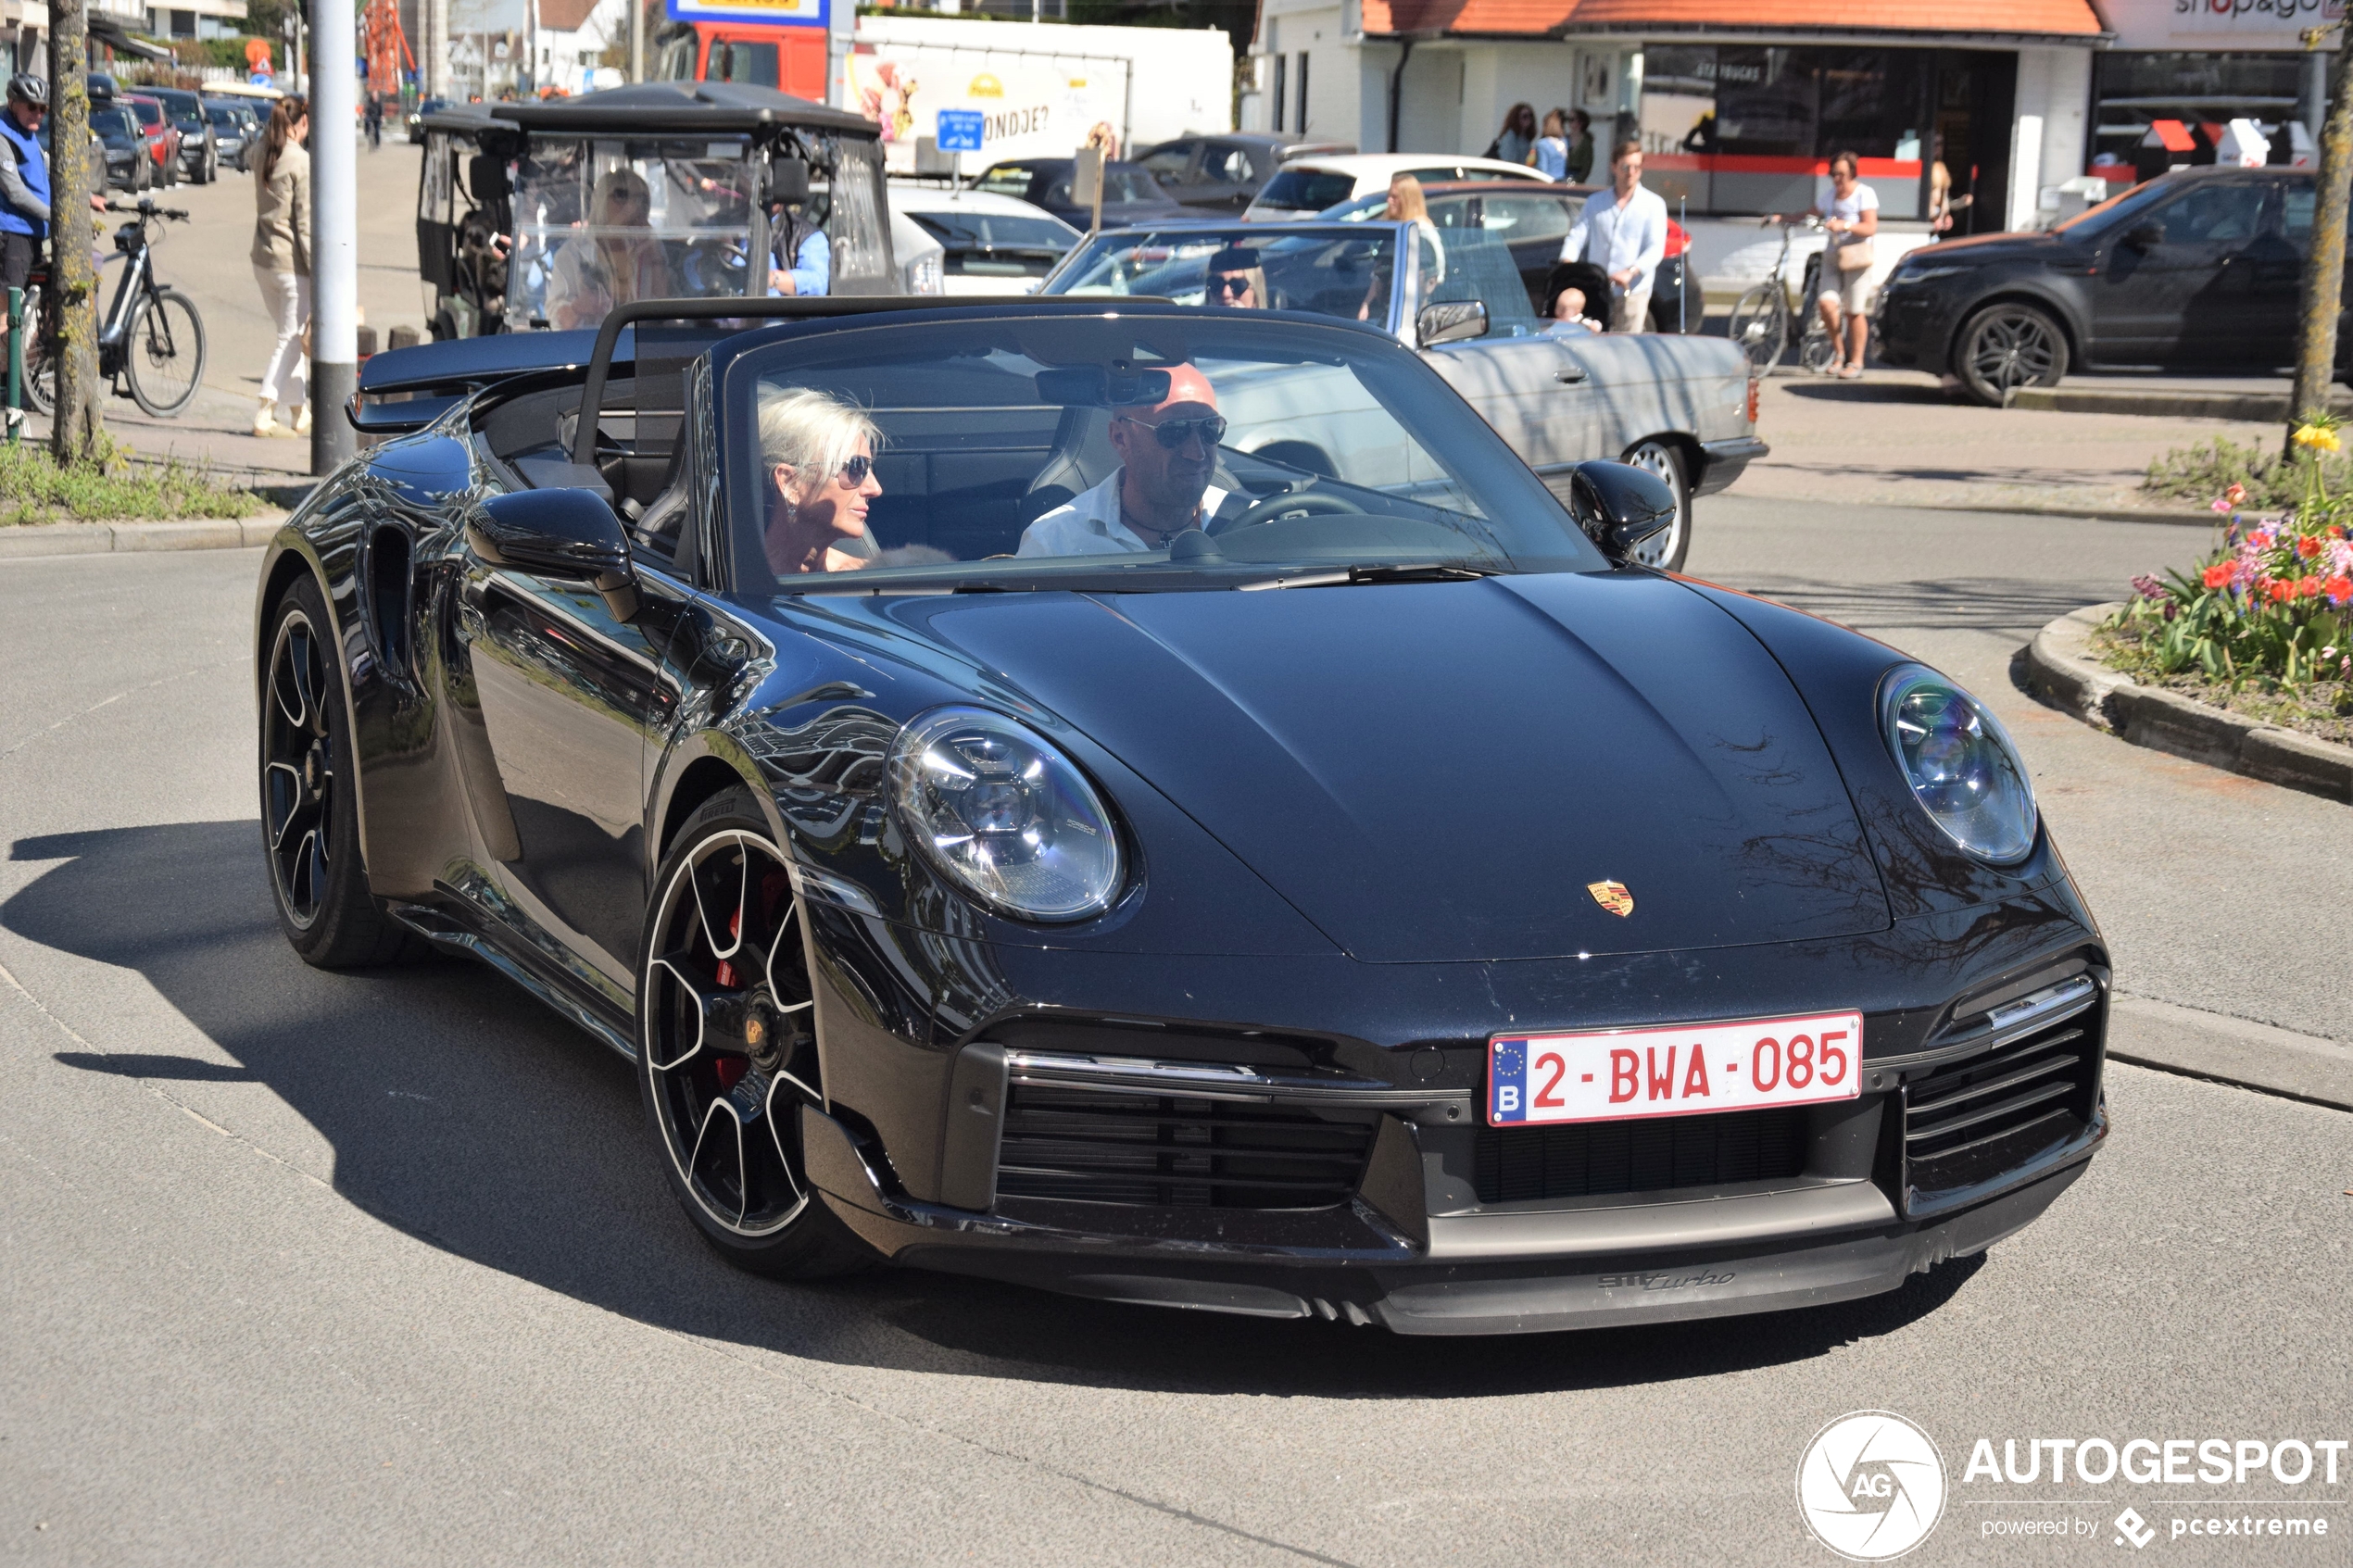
[1619, 505]
[1452, 322]
[571, 533]
[789, 179]
[1092, 386]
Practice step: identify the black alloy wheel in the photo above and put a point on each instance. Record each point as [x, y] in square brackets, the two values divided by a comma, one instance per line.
[1667, 548]
[164, 354]
[2007, 347]
[727, 1045]
[310, 817]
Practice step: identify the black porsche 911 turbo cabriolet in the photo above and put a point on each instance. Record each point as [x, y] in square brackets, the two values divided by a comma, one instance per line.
[1022, 823]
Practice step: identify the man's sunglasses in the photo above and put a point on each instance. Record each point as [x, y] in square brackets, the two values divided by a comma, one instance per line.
[1173, 434]
[1230, 285]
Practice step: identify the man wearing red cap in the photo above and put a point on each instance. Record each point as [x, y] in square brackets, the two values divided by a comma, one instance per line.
[1167, 451]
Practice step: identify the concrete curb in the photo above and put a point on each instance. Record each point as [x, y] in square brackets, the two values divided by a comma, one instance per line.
[104, 538]
[2169, 403]
[2060, 672]
[2231, 1050]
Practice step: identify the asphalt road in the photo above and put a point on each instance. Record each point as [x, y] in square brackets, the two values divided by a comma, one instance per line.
[318, 1269]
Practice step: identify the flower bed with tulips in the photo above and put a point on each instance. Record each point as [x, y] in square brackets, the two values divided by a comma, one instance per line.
[2263, 626]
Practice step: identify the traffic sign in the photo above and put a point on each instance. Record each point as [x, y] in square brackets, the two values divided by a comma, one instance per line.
[960, 131]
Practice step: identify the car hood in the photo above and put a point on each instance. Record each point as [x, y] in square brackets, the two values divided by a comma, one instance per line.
[1980, 249]
[1440, 771]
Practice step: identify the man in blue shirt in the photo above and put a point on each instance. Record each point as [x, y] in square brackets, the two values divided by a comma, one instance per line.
[803, 259]
[24, 184]
[1623, 232]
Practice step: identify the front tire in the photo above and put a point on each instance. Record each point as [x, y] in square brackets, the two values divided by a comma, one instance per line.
[40, 368]
[309, 812]
[1667, 548]
[1759, 327]
[165, 353]
[2007, 347]
[727, 1047]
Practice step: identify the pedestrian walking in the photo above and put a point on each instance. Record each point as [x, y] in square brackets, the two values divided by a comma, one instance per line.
[282, 262]
[1623, 232]
[1552, 148]
[1580, 146]
[1849, 211]
[1517, 142]
[375, 123]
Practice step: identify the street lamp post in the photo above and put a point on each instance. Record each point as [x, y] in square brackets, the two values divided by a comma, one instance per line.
[334, 223]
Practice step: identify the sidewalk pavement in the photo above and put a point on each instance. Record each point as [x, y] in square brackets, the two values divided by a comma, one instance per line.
[1898, 438]
[209, 259]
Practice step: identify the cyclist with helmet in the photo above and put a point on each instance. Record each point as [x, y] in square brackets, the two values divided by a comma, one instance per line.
[24, 183]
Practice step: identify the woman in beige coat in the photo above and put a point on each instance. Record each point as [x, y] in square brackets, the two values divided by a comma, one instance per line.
[282, 261]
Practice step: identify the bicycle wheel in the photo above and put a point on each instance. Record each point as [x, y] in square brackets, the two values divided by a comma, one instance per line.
[164, 358]
[40, 362]
[1818, 351]
[1759, 327]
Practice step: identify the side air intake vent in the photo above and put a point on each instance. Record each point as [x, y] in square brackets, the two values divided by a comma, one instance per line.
[1171, 1152]
[1968, 1123]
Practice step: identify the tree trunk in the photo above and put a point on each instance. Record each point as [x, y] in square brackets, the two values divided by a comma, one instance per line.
[2324, 269]
[78, 434]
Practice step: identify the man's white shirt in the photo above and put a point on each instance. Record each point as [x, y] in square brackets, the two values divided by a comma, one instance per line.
[1088, 524]
[1617, 237]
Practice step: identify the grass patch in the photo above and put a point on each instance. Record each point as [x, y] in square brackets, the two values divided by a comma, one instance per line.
[34, 490]
[2204, 472]
[2322, 709]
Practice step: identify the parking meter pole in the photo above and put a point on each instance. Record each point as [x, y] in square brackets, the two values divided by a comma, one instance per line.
[335, 251]
[16, 366]
[2324, 268]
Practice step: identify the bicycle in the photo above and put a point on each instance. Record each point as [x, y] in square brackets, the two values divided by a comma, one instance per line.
[1760, 324]
[152, 337]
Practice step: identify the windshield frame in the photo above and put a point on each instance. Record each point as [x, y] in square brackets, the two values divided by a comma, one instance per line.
[1404, 281]
[1443, 421]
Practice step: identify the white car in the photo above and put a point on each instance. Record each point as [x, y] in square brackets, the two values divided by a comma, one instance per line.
[989, 244]
[1305, 186]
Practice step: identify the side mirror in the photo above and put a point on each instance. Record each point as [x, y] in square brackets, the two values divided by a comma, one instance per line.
[1619, 505]
[2146, 236]
[559, 533]
[1454, 321]
[789, 179]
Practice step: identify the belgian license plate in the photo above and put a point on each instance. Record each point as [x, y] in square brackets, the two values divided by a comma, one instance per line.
[1622, 1073]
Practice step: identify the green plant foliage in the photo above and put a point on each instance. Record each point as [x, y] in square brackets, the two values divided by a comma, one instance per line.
[2210, 469]
[34, 489]
[2274, 607]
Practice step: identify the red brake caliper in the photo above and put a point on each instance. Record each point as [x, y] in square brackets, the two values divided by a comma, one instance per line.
[730, 1068]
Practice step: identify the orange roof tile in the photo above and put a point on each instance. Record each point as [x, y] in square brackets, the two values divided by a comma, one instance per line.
[2063, 18]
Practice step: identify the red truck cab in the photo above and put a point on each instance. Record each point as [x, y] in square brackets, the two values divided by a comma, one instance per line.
[791, 59]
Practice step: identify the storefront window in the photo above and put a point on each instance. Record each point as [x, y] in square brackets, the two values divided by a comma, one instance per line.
[1748, 129]
[2136, 89]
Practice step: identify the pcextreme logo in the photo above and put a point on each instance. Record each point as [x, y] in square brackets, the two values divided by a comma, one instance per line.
[1870, 1486]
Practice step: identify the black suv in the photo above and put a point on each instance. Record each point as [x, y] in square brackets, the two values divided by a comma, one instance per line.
[2198, 269]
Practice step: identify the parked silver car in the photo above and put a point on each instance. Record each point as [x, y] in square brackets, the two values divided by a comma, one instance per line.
[1681, 407]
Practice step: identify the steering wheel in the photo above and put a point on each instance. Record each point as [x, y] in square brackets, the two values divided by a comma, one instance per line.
[1308, 502]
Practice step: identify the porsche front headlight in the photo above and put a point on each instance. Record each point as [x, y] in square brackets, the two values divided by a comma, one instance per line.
[1962, 768]
[1005, 815]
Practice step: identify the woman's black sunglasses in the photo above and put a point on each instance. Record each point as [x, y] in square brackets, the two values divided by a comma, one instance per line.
[1233, 284]
[854, 472]
[1173, 434]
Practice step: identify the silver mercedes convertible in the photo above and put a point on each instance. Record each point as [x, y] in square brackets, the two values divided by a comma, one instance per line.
[1682, 407]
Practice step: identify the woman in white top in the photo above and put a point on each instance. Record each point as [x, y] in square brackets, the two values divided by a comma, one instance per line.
[1850, 212]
